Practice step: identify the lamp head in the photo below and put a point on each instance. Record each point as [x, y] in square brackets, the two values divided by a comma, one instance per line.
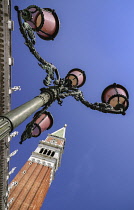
[42, 123]
[76, 77]
[44, 21]
[117, 96]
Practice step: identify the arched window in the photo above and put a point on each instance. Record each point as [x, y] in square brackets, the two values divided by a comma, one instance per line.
[45, 152]
[41, 151]
[49, 152]
[52, 154]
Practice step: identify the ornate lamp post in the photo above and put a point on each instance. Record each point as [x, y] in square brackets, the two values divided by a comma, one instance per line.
[45, 22]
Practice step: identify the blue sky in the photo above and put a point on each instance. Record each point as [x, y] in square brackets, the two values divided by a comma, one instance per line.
[97, 167]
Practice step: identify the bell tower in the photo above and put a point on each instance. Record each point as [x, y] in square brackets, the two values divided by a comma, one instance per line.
[29, 188]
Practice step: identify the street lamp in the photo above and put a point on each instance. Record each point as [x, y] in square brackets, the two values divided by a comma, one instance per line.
[76, 77]
[42, 123]
[44, 21]
[114, 97]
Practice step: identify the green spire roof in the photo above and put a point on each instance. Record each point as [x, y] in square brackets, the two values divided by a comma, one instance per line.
[60, 133]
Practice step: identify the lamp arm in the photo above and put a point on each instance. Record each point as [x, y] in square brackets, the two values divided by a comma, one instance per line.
[30, 40]
[102, 107]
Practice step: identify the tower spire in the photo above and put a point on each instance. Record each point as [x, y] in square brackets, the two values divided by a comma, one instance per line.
[60, 133]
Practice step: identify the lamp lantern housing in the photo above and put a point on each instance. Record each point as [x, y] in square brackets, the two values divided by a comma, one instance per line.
[116, 95]
[42, 123]
[76, 77]
[44, 21]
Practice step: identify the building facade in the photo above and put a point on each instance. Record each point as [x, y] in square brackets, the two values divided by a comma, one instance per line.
[6, 61]
[30, 186]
